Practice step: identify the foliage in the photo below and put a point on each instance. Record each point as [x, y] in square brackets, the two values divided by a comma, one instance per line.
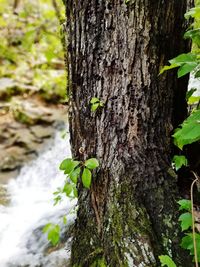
[96, 103]
[185, 62]
[186, 225]
[31, 52]
[74, 168]
[165, 260]
[53, 233]
[179, 161]
[185, 204]
[189, 131]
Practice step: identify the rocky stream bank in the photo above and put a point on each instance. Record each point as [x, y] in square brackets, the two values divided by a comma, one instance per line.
[27, 124]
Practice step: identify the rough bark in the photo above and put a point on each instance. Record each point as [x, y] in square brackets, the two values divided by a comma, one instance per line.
[115, 51]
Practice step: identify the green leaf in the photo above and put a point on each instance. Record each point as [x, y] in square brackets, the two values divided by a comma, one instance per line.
[186, 68]
[69, 165]
[86, 177]
[190, 93]
[75, 174]
[54, 234]
[46, 227]
[193, 34]
[67, 189]
[64, 164]
[186, 221]
[94, 100]
[183, 59]
[95, 106]
[179, 161]
[189, 131]
[165, 260]
[185, 204]
[59, 190]
[172, 66]
[75, 191]
[53, 231]
[92, 163]
[187, 243]
[57, 200]
[72, 166]
[193, 100]
[65, 220]
[193, 12]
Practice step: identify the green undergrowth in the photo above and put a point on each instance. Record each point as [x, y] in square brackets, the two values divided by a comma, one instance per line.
[31, 50]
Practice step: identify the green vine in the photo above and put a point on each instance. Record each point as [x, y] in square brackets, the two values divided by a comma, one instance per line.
[187, 133]
[74, 170]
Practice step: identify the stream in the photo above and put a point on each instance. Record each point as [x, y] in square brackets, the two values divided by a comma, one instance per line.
[22, 243]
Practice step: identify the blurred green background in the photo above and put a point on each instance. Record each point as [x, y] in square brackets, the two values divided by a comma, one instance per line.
[31, 49]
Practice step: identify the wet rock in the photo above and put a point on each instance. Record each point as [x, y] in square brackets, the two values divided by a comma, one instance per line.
[7, 175]
[4, 198]
[41, 131]
[28, 112]
[31, 112]
[11, 157]
[25, 127]
[8, 88]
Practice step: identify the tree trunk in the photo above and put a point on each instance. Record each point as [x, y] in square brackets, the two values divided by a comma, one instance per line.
[115, 51]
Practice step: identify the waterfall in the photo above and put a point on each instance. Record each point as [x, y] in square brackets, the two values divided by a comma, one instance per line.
[22, 243]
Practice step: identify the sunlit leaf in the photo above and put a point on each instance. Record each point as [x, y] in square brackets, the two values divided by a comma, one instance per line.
[185, 204]
[86, 177]
[54, 235]
[172, 66]
[74, 175]
[184, 59]
[67, 189]
[193, 100]
[92, 163]
[65, 219]
[47, 227]
[94, 107]
[186, 221]
[186, 68]
[165, 260]
[179, 161]
[94, 100]
[189, 131]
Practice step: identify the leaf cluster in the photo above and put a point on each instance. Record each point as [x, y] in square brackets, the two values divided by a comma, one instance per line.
[189, 131]
[74, 169]
[186, 227]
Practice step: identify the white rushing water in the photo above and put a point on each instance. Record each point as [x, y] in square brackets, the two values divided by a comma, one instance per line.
[22, 242]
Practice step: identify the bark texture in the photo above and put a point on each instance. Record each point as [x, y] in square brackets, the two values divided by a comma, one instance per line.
[115, 51]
